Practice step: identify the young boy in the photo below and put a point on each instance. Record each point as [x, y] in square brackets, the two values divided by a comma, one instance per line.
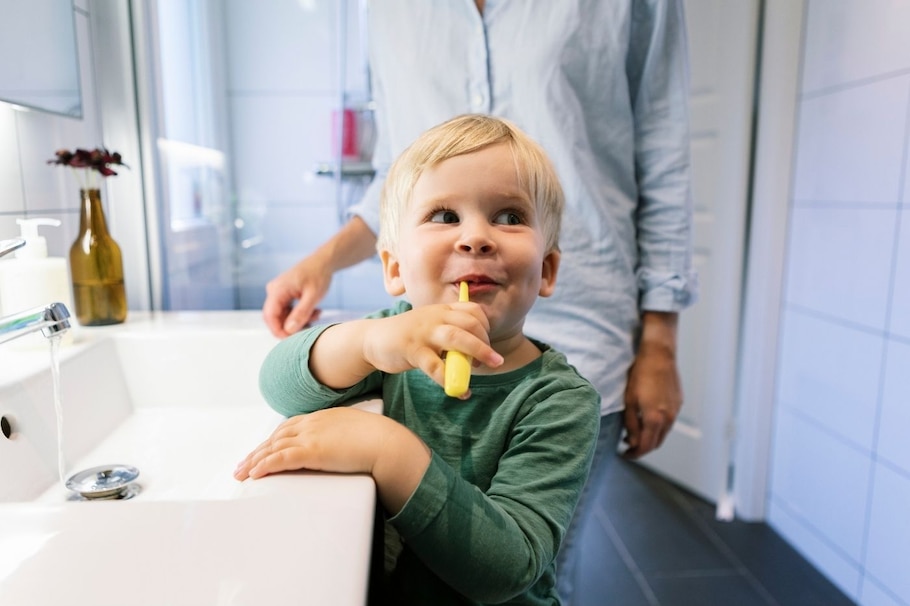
[480, 489]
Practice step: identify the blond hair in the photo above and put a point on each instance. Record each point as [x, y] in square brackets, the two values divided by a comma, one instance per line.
[463, 135]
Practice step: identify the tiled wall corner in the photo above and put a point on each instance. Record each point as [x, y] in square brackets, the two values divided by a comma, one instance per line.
[841, 461]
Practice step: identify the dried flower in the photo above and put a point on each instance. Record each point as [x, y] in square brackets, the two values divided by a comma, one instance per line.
[99, 159]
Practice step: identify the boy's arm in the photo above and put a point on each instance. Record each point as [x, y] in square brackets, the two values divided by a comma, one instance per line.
[289, 387]
[347, 353]
[345, 440]
[336, 358]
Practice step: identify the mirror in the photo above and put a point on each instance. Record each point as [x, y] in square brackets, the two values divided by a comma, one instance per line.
[39, 62]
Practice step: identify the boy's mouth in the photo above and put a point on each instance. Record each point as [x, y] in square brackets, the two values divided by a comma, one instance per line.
[476, 283]
[473, 279]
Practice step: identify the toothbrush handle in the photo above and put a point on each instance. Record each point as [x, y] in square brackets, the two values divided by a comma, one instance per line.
[458, 373]
[458, 365]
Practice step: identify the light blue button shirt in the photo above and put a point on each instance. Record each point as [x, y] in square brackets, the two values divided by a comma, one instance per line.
[602, 85]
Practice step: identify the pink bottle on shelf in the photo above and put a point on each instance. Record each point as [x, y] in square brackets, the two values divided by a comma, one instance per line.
[349, 147]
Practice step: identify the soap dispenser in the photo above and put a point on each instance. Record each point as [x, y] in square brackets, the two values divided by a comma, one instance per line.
[33, 279]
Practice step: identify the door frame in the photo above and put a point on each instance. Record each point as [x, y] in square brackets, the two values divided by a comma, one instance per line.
[772, 174]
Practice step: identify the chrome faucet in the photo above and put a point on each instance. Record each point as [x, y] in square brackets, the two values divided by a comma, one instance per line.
[8, 246]
[51, 320]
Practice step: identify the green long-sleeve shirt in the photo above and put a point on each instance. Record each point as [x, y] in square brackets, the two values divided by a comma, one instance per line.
[485, 523]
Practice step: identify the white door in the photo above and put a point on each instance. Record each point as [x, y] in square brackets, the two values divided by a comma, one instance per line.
[722, 49]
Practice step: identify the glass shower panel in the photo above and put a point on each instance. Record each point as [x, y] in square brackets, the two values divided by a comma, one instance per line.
[254, 98]
[195, 213]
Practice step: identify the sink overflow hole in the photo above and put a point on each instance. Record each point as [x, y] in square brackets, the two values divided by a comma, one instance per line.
[5, 427]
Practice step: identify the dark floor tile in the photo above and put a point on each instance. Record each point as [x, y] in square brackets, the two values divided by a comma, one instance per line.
[661, 536]
[786, 575]
[755, 550]
[706, 590]
[603, 576]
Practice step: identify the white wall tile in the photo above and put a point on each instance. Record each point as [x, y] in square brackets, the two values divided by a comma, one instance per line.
[40, 135]
[812, 471]
[848, 40]
[906, 197]
[873, 594]
[894, 423]
[830, 373]
[900, 298]
[11, 199]
[8, 227]
[840, 262]
[282, 45]
[839, 570]
[276, 143]
[851, 144]
[889, 534]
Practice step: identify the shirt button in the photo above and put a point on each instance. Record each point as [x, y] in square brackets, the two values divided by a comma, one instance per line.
[477, 101]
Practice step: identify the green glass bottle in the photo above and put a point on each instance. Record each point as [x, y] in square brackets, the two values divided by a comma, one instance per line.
[96, 267]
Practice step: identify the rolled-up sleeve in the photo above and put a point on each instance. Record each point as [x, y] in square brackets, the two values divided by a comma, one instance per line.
[659, 83]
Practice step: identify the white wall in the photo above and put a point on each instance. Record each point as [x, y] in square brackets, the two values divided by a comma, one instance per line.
[840, 481]
[31, 187]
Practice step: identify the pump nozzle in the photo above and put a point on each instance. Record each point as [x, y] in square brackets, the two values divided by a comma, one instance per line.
[35, 244]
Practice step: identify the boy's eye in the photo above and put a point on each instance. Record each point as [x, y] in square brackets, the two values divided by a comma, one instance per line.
[508, 217]
[444, 216]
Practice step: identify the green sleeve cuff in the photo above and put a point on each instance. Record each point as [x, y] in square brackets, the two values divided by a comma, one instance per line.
[427, 500]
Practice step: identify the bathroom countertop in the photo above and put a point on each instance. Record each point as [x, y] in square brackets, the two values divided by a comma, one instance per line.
[308, 542]
[293, 538]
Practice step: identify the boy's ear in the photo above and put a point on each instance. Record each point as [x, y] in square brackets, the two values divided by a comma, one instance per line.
[391, 274]
[549, 269]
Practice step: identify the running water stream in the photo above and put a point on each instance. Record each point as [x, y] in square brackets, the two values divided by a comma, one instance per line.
[58, 405]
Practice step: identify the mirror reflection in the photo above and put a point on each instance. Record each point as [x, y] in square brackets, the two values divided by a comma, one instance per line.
[41, 36]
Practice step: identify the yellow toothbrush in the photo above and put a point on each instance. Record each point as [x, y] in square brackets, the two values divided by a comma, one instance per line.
[458, 365]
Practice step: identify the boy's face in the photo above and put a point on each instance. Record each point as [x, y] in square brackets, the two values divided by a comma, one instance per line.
[469, 220]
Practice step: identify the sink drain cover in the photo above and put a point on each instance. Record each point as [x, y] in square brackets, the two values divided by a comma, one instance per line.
[103, 482]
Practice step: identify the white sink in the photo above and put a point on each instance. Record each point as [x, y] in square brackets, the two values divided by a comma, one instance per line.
[175, 395]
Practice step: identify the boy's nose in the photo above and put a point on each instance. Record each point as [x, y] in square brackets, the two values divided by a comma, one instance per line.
[476, 241]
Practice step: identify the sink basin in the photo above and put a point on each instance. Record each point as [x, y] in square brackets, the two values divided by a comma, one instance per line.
[179, 401]
[176, 396]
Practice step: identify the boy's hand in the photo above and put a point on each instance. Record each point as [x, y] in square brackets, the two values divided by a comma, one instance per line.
[335, 439]
[345, 440]
[419, 339]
